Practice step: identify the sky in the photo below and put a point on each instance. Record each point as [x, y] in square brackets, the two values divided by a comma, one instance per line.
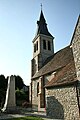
[18, 27]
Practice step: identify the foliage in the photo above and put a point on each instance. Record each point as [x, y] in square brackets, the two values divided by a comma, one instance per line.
[20, 94]
[26, 118]
[21, 97]
[3, 82]
[18, 85]
[3, 87]
[2, 96]
[19, 82]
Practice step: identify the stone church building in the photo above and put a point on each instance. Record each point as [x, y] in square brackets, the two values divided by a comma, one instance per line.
[55, 86]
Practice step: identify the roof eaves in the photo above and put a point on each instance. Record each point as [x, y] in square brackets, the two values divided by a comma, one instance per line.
[34, 77]
[62, 84]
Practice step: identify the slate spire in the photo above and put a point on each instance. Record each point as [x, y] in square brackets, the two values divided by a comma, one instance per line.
[42, 26]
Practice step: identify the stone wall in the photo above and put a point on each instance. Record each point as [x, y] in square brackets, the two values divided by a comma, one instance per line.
[38, 98]
[38, 101]
[61, 103]
[76, 48]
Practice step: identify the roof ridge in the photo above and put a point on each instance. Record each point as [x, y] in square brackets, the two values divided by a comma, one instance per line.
[75, 29]
[49, 58]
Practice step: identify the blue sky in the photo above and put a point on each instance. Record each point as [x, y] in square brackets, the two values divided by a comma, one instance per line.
[18, 27]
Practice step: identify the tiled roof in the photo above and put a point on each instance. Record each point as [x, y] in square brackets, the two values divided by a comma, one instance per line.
[56, 62]
[67, 75]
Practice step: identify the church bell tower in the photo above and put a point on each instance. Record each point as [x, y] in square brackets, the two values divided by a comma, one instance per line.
[42, 45]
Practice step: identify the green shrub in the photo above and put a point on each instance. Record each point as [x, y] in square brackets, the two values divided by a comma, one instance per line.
[21, 97]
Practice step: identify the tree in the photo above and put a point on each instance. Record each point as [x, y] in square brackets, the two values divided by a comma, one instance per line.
[3, 82]
[19, 82]
[3, 87]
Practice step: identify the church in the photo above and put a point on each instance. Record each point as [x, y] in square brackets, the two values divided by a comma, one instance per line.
[55, 77]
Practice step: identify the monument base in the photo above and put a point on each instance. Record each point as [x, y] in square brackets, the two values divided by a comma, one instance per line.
[10, 110]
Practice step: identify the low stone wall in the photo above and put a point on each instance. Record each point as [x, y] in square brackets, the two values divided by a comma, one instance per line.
[61, 103]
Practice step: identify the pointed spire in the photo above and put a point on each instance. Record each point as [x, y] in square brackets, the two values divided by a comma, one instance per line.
[42, 26]
[41, 19]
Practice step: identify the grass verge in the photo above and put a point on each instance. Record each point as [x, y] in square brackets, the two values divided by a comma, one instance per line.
[26, 118]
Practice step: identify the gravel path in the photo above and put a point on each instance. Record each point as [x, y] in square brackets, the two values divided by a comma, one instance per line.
[7, 116]
[22, 112]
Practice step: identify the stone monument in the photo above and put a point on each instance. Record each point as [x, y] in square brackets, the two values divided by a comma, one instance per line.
[10, 104]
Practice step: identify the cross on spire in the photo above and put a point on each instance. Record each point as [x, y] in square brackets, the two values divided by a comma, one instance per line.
[41, 6]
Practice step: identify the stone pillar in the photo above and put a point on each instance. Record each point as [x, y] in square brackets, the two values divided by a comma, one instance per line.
[10, 103]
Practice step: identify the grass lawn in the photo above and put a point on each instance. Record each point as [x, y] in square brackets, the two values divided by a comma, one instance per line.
[26, 118]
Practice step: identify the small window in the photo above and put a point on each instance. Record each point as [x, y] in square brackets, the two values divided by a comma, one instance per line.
[49, 45]
[78, 91]
[37, 45]
[44, 44]
[37, 88]
[34, 47]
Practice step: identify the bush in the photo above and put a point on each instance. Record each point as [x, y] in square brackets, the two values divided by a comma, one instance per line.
[21, 97]
[26, 104]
